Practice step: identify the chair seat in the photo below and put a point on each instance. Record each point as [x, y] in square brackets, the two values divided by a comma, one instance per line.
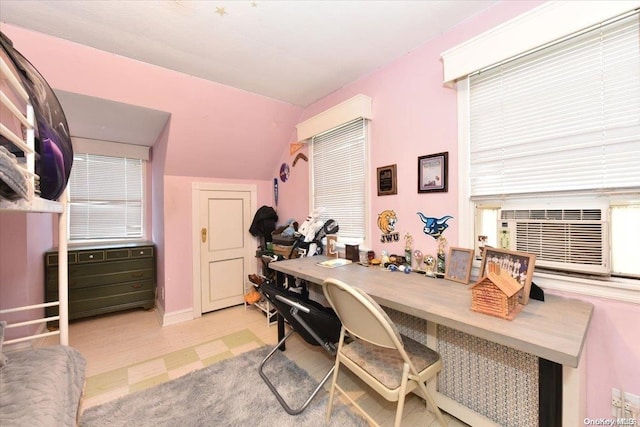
[385, 364]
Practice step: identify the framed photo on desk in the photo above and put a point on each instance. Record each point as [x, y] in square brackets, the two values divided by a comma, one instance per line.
[459, 265]
[519, 265]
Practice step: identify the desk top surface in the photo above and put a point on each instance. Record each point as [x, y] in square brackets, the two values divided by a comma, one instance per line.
[555, 329]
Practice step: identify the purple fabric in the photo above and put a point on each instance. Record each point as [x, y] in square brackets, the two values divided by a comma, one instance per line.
[53, 141]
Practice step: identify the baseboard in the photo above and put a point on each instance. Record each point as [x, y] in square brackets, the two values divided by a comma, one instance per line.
[175, 317]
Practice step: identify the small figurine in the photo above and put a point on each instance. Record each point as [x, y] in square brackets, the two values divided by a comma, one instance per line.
[418, 257]
[430, 263]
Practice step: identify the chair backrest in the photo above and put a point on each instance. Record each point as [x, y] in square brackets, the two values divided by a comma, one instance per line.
[361, 315]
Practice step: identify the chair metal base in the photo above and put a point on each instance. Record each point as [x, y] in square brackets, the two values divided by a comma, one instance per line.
[284, 404]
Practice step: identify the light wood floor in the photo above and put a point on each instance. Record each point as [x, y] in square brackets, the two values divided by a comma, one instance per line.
[116, 340]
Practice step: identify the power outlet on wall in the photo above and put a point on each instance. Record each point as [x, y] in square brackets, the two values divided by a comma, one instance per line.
[616, 403]
[631, 405]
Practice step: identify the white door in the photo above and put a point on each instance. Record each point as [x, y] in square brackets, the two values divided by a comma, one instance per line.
[226, 252]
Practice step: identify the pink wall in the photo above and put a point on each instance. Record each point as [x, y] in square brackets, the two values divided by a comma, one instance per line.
[612, 352]
[414, 115]
[22, 264]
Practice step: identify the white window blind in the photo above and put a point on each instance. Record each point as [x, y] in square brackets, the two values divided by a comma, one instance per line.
[105, 198]
[565, 118]
[339, 177]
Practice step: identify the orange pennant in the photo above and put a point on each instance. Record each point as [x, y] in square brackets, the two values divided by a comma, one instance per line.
[294, 147]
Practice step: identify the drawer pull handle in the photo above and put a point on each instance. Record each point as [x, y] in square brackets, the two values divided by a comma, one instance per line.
[141, 252]
[90, 256]
[137, 286]
[136, 275]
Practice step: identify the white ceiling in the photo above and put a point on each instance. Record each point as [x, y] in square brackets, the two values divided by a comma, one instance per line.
[293, 51]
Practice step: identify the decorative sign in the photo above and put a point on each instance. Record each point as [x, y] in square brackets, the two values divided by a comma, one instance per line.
[387, 224]
[434, 227]
[284, 172]
[432, 173]
[387, 181]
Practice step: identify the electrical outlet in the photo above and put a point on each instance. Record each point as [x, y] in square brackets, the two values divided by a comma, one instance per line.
[616, 403]
[631, 405]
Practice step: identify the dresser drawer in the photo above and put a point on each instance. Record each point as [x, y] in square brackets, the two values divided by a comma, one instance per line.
[81, 294]
[99, 305]
[90, 256]
[146, 252]
[104, 273]
[52, 258]
[116, 254]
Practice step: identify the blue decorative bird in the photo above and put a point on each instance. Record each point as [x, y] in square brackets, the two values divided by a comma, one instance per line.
[434, 227]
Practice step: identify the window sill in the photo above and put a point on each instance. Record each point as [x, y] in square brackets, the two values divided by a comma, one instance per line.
[617, 289]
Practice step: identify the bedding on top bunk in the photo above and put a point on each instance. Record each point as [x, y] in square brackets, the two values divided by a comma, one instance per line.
[41, 387]
[14, 180]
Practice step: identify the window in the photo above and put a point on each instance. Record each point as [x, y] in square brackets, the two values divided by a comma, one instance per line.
[339, 178]
[106, 198]
[554, 143]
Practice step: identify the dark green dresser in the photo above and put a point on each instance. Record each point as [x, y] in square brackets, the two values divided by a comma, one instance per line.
[104, 279]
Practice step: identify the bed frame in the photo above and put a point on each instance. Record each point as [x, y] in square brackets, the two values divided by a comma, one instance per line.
[16, 100]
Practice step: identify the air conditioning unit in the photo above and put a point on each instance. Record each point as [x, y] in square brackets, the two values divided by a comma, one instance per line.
[562, 239]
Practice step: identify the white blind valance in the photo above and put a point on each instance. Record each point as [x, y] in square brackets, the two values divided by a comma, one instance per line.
[109, 148]
[546, 23]
[353, 108]
[339, 177]
[566, 118]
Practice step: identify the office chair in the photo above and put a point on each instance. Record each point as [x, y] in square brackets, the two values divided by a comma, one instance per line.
[391, 364]
[317, 325]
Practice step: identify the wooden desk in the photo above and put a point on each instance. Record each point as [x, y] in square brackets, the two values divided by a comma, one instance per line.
[554, 331]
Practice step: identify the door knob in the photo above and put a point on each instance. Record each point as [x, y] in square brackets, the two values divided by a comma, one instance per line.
[203, 234]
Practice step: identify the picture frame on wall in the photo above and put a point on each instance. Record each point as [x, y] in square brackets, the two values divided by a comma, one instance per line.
[433, 173]
[459, 264]
[519, 265]
[387, 180]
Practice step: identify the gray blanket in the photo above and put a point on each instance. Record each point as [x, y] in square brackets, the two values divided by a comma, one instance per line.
[41, 387]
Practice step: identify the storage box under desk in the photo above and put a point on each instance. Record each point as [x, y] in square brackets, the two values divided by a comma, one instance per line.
[104, 279]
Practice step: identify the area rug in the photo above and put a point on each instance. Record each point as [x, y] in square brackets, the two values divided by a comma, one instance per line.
[227, 393]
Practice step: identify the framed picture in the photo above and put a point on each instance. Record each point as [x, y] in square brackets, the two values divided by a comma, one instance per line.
[519, 265]
[432, 173]
[387, 181]
[459, 265]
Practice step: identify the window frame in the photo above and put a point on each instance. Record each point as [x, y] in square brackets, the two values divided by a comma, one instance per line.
[616, 288]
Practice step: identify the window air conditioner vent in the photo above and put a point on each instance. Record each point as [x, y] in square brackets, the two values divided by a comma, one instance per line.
[563, 239]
